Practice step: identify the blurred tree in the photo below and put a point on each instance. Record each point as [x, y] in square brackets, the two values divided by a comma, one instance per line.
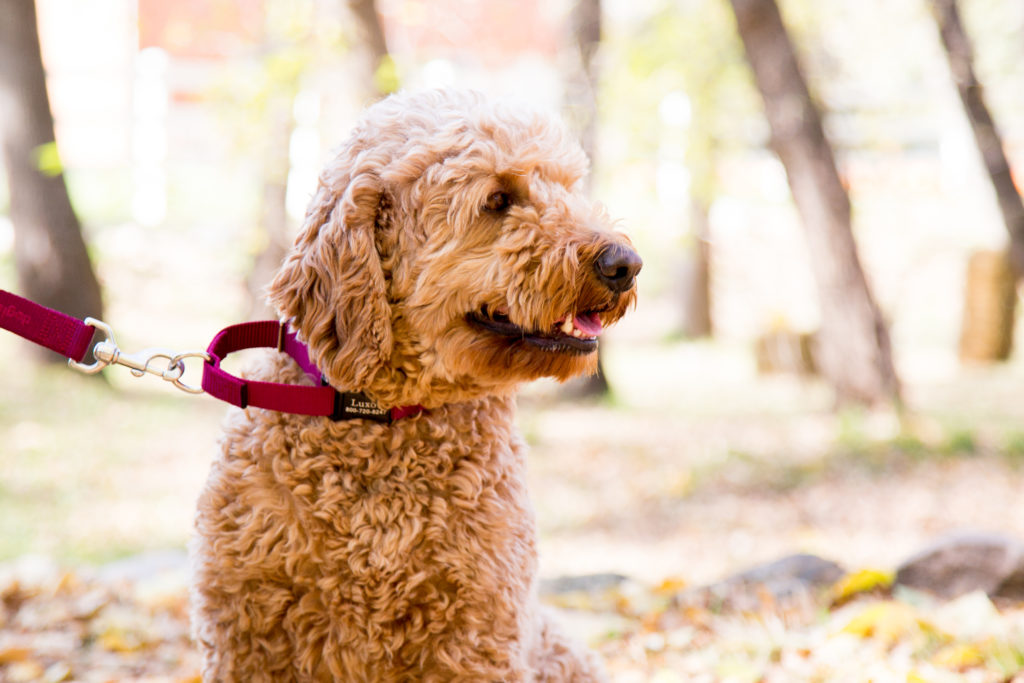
[581, 85]
[706, 80]
[294, 36]
[682, 91]
[853, 351]
[49, 250]
[379, 75]
[581, 78]
[285, 57]
[959, 52]
[273, 216]
[696, 320]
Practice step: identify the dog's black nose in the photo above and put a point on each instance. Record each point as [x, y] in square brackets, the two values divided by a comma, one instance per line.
[617, 267]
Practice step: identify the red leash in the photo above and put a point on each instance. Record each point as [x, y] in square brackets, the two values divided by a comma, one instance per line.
[70, 338]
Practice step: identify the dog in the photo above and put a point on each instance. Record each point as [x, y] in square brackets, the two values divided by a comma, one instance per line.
[448, 255]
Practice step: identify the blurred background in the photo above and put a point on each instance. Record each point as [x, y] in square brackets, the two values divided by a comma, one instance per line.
[828, 207]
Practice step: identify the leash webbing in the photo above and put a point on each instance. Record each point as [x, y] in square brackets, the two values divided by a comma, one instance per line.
[70, 337]
[44, 326]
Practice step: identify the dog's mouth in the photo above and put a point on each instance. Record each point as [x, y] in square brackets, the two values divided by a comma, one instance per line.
[575, 333]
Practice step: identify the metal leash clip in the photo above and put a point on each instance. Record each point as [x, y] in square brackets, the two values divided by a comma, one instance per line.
[166, 365]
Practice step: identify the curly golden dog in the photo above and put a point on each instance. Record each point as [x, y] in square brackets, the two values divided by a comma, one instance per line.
[447, 256]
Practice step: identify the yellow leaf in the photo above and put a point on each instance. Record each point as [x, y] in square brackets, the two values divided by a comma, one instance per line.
[889, 622]
[860, 582]
[671, 586]
[385, 78]
[22, 672]
[116, 640]
[13, 654]
[48, 159]
[959, 656]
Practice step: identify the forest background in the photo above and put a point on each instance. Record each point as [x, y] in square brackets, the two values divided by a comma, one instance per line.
[189, 136]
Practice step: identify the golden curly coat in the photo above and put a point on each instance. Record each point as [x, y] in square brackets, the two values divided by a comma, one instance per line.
[447, 256]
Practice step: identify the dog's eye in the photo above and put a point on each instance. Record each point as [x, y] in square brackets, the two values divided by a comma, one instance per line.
[498, 201]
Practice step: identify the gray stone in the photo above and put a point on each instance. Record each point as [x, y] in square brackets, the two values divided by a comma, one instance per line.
[808, 570]
[963, 563]
[587, 583]
[790, 579]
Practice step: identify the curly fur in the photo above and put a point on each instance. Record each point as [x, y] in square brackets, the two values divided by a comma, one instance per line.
[361, 551]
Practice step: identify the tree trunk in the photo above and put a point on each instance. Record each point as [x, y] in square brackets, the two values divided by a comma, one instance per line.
[697, 320]
[274, 224]
[273, 209]
[990, 144]
[50, 254]
[854, 350]
[581, 75]
[378, 71]
[986, 333]
[703, 87]
[581, 110]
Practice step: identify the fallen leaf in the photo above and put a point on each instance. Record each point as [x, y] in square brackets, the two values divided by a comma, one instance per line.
[671, 585]
[890, 622]
[57, 673]
[859, 582]
[14, 653]
[958, 656]
[25, 671]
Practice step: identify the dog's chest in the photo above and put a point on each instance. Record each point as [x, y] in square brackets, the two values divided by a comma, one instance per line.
[420, 508]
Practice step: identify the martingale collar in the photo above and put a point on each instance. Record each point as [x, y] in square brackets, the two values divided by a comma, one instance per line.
[289, 398]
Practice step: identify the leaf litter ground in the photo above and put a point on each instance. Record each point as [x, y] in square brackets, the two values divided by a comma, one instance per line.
[685, 480]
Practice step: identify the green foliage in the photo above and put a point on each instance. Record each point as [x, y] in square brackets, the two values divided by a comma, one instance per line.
[687, 48]
[47, 159]
[909, 444]
[385, 78]
[302, 40]
[1013, 446]
[851, 434]
[961, 441]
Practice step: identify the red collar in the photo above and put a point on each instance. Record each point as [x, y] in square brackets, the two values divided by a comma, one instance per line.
[286, 398]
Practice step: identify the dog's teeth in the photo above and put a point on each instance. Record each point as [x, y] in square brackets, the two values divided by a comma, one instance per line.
[567, 326]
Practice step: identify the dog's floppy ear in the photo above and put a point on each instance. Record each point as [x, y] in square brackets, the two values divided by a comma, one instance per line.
[332, 286]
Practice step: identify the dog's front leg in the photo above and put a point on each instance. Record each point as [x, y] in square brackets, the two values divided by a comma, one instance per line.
[558, 659]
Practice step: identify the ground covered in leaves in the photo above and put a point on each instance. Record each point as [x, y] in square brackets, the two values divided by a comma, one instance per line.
[129, 622]
[698, 469]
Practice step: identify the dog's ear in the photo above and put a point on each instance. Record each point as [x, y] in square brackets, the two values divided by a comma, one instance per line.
[331, 285]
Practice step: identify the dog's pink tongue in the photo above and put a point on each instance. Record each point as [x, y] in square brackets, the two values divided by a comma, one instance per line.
[589, 324]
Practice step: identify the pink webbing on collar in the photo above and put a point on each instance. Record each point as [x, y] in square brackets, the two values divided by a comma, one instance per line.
[292, 398]
[288, 398]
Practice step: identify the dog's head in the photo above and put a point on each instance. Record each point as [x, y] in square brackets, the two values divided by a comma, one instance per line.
[450, 252]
